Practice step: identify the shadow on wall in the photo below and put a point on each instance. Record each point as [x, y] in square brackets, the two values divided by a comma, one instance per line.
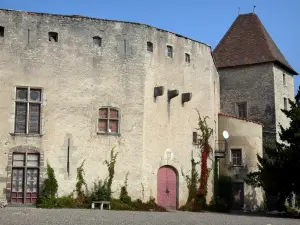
[252, 202]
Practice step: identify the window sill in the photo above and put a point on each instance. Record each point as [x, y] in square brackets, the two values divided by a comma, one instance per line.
[236, 165]
[26, 135]
[109, 134]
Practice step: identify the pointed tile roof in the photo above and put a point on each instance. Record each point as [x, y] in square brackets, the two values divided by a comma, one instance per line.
[247, 42]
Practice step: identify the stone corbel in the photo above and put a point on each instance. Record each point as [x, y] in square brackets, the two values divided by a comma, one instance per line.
[172, 94]
[185, 97]
[158, 91]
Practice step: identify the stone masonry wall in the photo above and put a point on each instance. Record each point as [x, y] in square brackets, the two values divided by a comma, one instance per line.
[282, 91]
[77, 78]
[255, 85]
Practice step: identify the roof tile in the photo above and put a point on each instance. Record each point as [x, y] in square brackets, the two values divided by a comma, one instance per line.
[247, 42]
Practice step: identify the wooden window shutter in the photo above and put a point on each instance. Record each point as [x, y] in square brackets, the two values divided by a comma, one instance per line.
[34, 118]
[20, 117]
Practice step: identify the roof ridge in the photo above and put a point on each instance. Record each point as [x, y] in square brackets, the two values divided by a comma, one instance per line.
[240, 118]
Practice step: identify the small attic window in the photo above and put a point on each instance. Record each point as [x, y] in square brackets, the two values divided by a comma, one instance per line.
[97, 41]
[1, 31]
[53, 36]
[149, 46]
[187, 58]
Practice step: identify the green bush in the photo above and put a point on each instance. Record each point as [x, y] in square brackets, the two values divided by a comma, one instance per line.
[49, 190]
[65, 202]
[117, 204]
[101, 191]
[137, 205]
[218, 205]
[124, 197]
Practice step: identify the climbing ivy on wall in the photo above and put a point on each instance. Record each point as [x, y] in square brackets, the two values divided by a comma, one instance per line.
[111, 168]
[204, 134]
[80, 182]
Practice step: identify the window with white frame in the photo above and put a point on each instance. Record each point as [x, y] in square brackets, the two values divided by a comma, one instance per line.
[28, 110]
[236, 157]
[109, 120]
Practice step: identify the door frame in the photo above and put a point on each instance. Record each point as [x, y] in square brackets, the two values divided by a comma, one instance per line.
[25, 168]
[24, 149]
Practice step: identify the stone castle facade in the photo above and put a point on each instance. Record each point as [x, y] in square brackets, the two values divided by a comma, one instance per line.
[74, 87]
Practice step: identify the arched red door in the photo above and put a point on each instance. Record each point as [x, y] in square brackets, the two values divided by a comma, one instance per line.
[167, 187]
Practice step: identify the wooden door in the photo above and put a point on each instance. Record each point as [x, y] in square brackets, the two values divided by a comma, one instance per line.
[167, 188]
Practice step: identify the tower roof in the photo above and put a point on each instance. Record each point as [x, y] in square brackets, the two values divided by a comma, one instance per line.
[247, 42]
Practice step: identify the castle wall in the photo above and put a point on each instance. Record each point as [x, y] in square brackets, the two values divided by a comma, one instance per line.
[77, 78]
[254, 85]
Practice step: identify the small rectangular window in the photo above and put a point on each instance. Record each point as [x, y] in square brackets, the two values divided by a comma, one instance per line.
[242, 109]
[236, 157]
[283, 79]
[285, 103]
[149, 46]
[1, 31]
[109, 120]
[170, 51]
[53, 36]
[97, 41]
[187, 58]
[195, 137]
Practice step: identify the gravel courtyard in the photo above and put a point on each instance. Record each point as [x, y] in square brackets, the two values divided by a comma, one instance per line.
[32, 216]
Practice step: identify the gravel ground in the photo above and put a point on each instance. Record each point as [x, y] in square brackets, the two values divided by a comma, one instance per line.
[32, 216]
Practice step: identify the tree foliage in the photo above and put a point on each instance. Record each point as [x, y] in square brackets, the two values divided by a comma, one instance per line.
[278, 170]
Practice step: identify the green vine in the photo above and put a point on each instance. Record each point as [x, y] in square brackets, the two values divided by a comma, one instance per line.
[192, 180]
[50, 187]
[143, 190]
[124, 197]
[204, 134]
[111, 168]
[216, 176]
[80, 182]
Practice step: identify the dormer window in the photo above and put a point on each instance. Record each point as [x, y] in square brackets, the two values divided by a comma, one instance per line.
[53, 36]
[97, 41]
